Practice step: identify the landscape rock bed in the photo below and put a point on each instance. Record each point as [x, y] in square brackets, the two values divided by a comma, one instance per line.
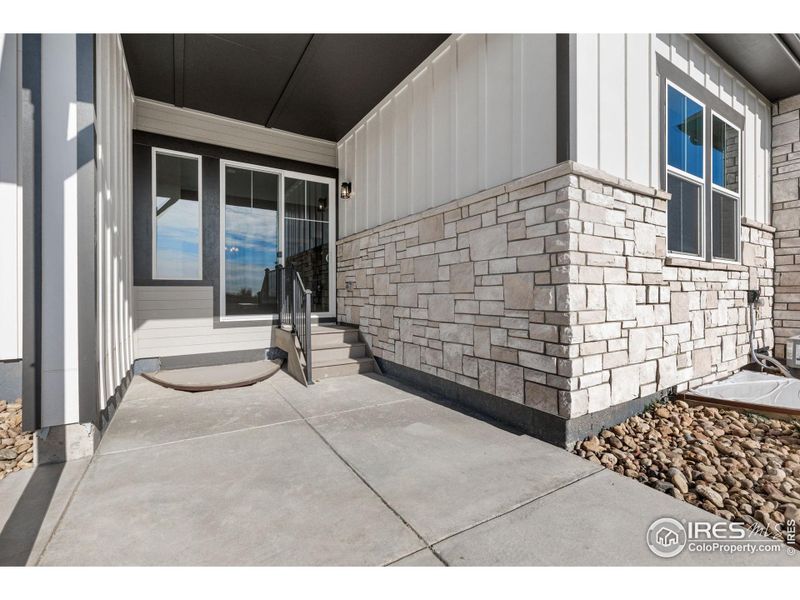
[16, 446]
[740, 466]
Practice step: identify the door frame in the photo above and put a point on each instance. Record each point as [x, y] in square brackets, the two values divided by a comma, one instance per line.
[282, 174]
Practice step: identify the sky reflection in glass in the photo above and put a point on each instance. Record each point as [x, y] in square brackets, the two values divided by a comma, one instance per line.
[684, 133]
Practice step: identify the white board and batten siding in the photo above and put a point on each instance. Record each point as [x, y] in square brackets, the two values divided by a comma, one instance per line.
[479, 112]
[616, 108]
[178, 320]
[114, 119]
[10, 205]
[184, 123]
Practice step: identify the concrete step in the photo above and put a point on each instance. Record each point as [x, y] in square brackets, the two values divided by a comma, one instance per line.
[341, 367]
[332, 335]
[338, 351]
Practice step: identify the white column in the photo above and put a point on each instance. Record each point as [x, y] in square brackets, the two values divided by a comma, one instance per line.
[59, 343]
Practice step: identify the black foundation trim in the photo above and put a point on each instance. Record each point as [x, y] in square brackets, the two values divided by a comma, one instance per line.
[536, 423]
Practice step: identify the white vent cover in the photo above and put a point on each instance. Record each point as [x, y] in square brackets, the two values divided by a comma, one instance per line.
[793, 352]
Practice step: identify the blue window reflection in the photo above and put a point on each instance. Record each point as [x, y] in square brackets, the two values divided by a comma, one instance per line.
[684, 133]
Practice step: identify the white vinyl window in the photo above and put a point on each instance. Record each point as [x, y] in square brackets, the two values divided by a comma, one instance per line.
[685, 172]
[177, 215]
[703, 215]
[725, 189]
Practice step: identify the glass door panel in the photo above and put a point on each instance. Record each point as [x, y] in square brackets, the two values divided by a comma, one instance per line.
[251, 241]
[306, 237]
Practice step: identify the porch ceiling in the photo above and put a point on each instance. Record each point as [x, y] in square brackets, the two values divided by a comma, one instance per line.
[318, 85]
[769, 61]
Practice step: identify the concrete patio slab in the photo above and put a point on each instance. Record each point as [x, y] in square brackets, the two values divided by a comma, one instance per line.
[422, 558]
[599, 520]
[274, 495]
[31, 503]
[158, 419]
[357, 487]
[339, 394]
[140, 388]
[445, 471]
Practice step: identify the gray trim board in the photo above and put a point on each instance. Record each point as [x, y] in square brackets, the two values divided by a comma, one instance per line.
[10, 380]
[664, 68]
[563, 98]
[30, 176]
[87, 230]
[539, 424]
[667, 72]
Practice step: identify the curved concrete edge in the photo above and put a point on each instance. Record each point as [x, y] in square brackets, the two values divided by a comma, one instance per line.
[181, 379]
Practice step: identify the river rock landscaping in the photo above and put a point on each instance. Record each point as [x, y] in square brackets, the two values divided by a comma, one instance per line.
[740, 466]
[16, 446]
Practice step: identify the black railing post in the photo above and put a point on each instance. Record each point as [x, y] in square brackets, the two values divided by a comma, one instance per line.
[279, 277]
[307, 326]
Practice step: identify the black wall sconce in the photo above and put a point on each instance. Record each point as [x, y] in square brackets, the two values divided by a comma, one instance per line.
[345, 190]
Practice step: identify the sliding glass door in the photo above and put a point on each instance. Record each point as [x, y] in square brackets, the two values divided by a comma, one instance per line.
[270, 217]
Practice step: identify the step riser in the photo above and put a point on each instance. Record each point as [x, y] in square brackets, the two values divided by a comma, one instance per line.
[342, 370]
[334, 338]
[326, 354]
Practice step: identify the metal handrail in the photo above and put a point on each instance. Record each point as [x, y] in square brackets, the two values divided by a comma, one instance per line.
[294, 309]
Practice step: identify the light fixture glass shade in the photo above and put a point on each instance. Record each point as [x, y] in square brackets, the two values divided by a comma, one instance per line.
[345, 189]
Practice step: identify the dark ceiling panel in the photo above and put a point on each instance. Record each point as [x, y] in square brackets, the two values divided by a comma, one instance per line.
[766, 60]
[239, 76]
[150, 63]
[318, 85]
[343, 76]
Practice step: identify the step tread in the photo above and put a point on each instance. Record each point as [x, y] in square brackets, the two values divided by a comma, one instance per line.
[335, 362]
[324, 329]
[337, 346]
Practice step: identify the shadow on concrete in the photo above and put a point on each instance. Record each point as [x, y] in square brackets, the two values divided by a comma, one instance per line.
[24, 524]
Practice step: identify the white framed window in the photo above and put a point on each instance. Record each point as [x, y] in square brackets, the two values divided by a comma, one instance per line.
[703, 175]
[271, 217]
[177, 213]
[725, 189]
[685, 156]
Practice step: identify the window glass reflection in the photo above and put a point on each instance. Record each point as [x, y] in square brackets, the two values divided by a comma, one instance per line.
[177, 217]
[251, 242]
[684, 133]
[725, 156]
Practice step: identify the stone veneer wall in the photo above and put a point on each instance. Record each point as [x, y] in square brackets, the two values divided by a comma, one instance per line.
[553, 291]
[786, 219]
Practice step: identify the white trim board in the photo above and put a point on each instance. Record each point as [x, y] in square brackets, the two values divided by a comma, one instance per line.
[166, 119]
